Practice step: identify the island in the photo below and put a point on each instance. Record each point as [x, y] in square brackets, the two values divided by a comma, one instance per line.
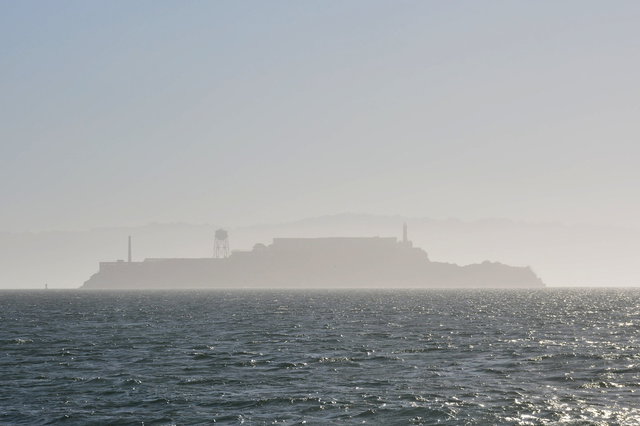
[310, 263]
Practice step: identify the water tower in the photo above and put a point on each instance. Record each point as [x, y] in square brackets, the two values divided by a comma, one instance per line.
[221, 244]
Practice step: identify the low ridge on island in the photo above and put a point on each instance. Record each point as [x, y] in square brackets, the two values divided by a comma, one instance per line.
[338, 262]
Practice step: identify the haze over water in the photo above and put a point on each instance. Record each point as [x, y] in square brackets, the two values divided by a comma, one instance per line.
[237, 113]
[519, 357]
[501, 131]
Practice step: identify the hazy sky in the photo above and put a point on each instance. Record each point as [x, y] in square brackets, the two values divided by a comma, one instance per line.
[234, 112]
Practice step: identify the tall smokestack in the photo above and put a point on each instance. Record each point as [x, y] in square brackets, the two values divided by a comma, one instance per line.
[404, 232]
[129, 257]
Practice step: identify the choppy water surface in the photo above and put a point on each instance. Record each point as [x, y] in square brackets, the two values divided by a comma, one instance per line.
[410, 357]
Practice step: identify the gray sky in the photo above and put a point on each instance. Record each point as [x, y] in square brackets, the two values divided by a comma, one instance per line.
[123, 113]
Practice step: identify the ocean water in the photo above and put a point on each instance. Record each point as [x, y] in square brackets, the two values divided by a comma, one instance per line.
[521, 357]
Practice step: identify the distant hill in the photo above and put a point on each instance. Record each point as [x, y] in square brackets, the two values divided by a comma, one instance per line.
[560, 254]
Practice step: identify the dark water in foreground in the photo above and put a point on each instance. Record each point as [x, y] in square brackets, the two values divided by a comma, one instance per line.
[411, 357]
